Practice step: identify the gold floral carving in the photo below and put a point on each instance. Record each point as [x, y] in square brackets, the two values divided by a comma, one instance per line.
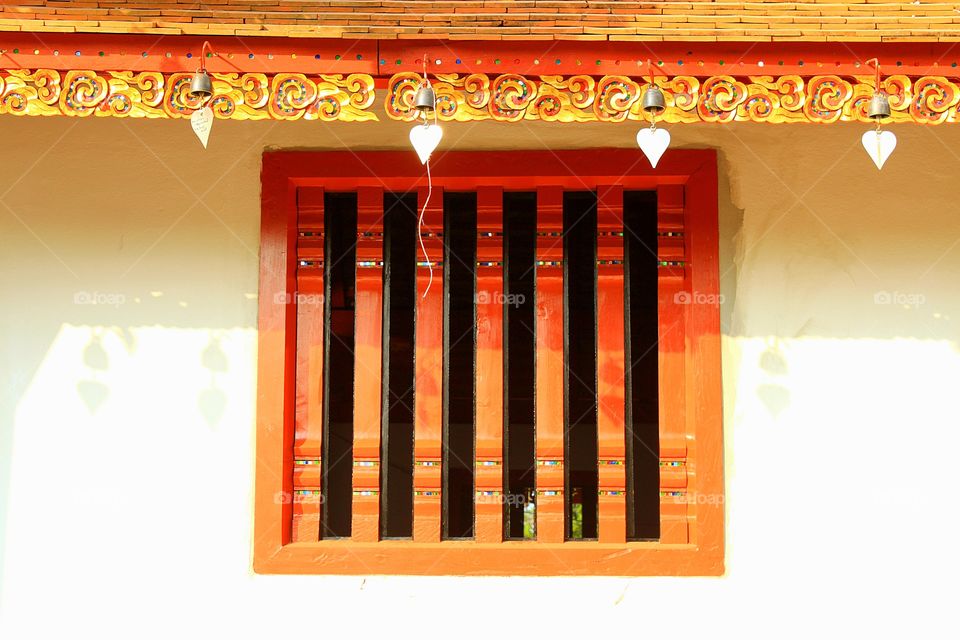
[824, 99]
[150, 94]
[472, 97]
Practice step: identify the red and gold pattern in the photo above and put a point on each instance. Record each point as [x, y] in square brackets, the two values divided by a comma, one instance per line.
[478, 96]
[791, 98]
[151, 94]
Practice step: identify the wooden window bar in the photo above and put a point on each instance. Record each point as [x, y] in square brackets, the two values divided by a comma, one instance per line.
[686, 450]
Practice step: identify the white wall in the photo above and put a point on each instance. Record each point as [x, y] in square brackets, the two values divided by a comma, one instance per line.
[126, 427]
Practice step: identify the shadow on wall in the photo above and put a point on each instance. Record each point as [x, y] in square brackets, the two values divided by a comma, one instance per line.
[213, 400]
[840, 269]
[166, 240]
[775, 397]
[92, 390]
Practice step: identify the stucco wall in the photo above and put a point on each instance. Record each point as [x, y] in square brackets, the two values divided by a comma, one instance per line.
[126, 426]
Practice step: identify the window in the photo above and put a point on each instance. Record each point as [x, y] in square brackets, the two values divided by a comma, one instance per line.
[546, 402]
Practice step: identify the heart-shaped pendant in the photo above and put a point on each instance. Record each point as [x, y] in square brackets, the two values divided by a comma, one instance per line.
[879, 146]
[425, 139]
[653, 142]
[202, 121]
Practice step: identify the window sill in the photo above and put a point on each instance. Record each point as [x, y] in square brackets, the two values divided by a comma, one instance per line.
[513, 558]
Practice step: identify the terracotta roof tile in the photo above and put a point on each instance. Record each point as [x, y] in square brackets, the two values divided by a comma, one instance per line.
[855, 20]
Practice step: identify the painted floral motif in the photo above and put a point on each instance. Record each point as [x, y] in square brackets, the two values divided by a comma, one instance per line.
[249, 96]
[463, 98]
[821, 99]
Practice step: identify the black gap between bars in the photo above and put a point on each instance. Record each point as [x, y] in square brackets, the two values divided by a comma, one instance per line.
[340, 228]
[459, 348]
[580, 372]
[519, 472]
[642, 365]
[399, 310]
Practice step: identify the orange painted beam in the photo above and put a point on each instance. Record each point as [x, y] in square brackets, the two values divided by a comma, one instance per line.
[270, 54]
[276, 353]
[178, 53]
[673, 301]
[703, 371]
[611, 408]
[368, 348]
[428, 381]
[308, 430]
[469, 558]
[489, 366]
[549, 365]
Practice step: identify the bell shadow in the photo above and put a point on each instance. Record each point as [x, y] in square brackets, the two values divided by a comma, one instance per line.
[774, 397]
[92, 391]
[212, 401]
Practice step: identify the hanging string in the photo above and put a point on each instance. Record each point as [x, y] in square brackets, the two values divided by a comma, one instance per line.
[426, 201]
[420, 233]
[653, 83]
[875, 63]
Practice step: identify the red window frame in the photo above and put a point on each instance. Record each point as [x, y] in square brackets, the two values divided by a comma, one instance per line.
[692, 513]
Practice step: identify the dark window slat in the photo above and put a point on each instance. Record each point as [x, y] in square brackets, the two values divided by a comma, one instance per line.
[459, 346]
[340, 281]
[642, 365]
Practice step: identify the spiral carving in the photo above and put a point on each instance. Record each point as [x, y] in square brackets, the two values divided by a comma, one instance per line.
[477, 96]
[933, 102]
[615, 96]
[721, 95]
[826, 97]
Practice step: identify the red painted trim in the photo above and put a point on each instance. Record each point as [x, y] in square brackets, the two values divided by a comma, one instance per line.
[674, 58]
[549, 368]
[611, 367]
[672, 289]
[308, 430]
[275, 359]
[453, 170]
[687, 194]
[367, 377]
[704, 392]
[488, 384]
[277, 54]
[428, 380]
[230, 54]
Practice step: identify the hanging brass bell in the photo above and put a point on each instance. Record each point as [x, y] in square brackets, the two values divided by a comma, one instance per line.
[201, 87]
[879, 107]
[426, 99]
[653, 100]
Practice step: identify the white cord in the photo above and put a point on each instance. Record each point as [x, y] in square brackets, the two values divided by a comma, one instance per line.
[420, 226]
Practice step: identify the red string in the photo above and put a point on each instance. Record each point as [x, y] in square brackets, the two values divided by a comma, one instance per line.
[875, 63]
[203, 57]
[655, 69]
